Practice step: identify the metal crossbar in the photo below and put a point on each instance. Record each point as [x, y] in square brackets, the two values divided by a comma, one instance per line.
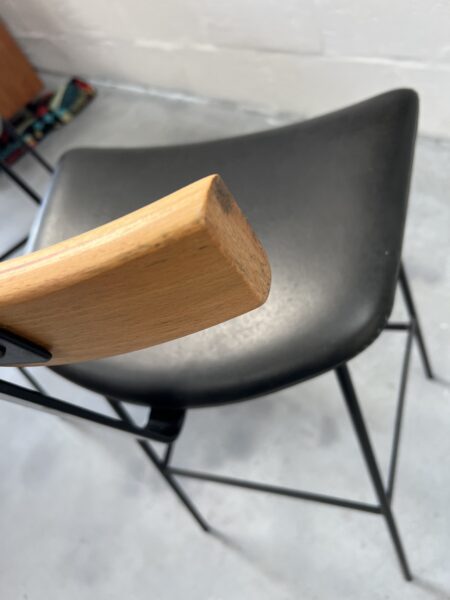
[155, 429]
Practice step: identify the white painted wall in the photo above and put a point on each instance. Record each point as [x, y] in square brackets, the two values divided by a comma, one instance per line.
[305, 56]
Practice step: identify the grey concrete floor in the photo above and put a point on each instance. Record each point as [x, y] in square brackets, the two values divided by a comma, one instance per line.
[83, 515]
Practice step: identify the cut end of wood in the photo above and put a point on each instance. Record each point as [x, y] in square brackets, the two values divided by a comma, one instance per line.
[238, 240]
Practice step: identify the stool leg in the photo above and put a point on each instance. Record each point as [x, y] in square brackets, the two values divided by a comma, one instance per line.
[31, 379]
[20, 182]
[407, 295]
[13, 249]
[356, 416]
[171, 481]
[161, 466]
[28, 148]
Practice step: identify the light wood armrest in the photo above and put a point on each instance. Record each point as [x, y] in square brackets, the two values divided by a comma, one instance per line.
[174, 267]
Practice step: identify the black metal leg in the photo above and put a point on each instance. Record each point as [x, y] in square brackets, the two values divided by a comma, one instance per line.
[20, 182]
[407, 295]
[168, 454]
[28, 148]
[14, 248]
[351, 400]
[399, 412]
[31, 379]
[146, 447]
[161, 467]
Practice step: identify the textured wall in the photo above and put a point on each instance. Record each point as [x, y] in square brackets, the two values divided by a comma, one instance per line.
[297, 55]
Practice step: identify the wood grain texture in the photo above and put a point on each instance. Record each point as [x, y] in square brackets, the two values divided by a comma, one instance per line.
[19, 83]
[174, 267]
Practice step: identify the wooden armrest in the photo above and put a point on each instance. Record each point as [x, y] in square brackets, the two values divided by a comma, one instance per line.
[174, 267]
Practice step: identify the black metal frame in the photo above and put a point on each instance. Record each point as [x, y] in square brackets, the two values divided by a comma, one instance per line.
[162, 425]
[165, 426]
[11, 131]
[19, 181]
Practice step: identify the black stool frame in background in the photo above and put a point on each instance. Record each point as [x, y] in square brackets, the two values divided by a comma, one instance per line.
[165, 426]
[19, 181]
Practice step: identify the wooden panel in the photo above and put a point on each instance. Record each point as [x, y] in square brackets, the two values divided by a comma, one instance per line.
[176, 266]
[18, 81]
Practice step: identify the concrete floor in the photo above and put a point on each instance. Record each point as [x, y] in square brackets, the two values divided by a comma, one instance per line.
[83, 515]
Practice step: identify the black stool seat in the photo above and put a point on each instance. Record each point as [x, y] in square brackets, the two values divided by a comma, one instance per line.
[327, 197]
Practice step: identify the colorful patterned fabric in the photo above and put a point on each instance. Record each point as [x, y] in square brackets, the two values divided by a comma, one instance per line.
[39, 118]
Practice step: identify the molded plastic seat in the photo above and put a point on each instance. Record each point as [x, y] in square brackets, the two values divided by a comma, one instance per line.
[327, 198]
